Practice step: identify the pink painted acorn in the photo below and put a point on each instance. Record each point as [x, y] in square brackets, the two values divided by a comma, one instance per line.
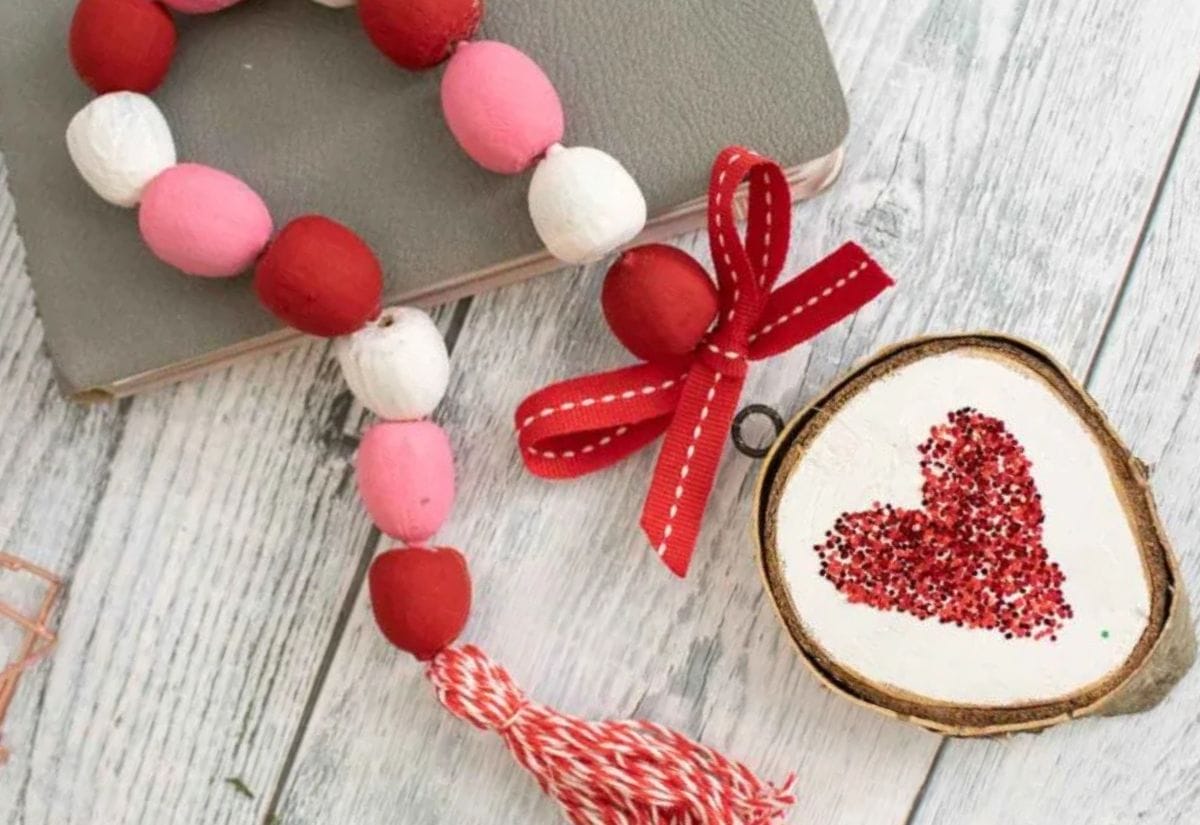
[406, 478]
[500, 105]
[203, 221]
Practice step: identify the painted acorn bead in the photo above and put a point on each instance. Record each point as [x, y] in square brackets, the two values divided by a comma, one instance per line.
[405, 473]
[658, 301]
[421, 597]
[397, 366]
[319, 277]
[121, 45]
[119, 142]
[584, 204]
[203, 221]
[500, 106]
[417, 34]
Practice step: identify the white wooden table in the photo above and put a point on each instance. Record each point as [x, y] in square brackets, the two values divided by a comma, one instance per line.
[1026, 167]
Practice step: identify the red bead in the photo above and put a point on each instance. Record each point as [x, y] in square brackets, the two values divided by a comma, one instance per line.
[122, 45]
[658, 301]
[417, 34]
[320, 277]
[421, 597]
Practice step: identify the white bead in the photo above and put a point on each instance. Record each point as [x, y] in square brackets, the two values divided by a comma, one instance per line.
[119, 143]
[397, 366]
[336, 4]
[584, 204]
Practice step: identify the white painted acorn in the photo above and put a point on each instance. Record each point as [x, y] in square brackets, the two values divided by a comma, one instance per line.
[397, 365]
[584, 204]
[119, 142]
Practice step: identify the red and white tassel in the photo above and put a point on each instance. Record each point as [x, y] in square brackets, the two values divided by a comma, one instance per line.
[605, 773]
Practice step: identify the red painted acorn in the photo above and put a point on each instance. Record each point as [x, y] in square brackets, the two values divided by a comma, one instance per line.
[320, 277]
[417, 34]
[121, 45]
[421, 597]
[658, 301]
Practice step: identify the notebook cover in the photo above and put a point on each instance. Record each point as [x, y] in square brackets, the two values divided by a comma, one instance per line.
[292, 97]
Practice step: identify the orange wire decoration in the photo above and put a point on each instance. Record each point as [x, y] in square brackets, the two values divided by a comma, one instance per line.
[38, 641]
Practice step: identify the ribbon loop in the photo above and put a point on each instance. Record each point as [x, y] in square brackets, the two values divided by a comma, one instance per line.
[585, 424]
[588, 423]
[747, 270]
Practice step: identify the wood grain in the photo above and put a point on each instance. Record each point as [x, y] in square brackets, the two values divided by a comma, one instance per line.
[981, 162]
[1003, 158]
[1139, 768]
[53, 457]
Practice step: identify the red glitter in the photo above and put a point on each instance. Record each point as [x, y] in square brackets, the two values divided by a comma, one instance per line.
[973, 557]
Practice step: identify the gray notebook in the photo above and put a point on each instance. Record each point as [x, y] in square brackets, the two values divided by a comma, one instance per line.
[291, 96]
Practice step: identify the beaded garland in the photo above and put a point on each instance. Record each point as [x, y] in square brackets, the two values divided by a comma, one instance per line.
[498, 103]
[321, 278]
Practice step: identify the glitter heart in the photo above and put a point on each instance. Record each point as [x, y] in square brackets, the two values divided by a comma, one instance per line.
[973, 556]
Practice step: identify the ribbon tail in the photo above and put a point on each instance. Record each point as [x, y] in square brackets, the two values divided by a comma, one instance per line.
[687, 465]
[835, 287]
[585, 424]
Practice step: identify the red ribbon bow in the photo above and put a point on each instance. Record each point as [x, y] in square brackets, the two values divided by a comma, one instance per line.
[588, 423]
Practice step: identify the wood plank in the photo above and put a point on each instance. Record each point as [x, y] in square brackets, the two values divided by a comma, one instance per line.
[982, 162]
[210, 536]
[1146, 378]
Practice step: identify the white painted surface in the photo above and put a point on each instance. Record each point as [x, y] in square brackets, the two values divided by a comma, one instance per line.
[1002, 164]
[867, 452]
[119, 142]
[396, 366]
[584, 204]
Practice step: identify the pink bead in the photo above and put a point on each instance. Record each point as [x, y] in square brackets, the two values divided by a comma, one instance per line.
[199, 6]
[203, 221]
[500, 105]
[406, 478]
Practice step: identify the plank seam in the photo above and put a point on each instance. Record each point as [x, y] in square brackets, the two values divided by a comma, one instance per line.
[920, 795]
[1143, 233]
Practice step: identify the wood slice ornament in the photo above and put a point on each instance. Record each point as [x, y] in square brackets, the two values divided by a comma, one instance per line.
[955, 535]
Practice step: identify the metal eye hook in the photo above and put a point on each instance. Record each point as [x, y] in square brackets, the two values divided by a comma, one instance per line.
[735, 429]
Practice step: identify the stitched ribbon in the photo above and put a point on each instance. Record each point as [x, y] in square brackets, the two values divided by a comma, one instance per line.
[585, 424]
